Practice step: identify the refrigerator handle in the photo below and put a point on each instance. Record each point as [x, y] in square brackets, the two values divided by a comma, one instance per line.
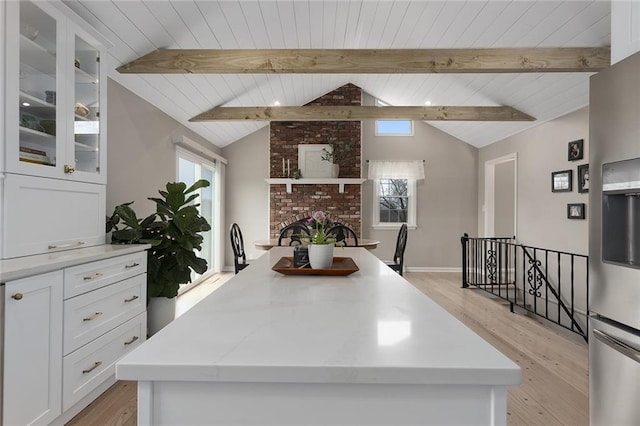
[617, 345]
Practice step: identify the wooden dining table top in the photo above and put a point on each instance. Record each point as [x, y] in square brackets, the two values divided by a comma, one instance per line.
[273, 242]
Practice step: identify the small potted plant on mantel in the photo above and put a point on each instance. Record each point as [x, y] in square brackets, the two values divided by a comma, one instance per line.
[338, 152]
[174, 233]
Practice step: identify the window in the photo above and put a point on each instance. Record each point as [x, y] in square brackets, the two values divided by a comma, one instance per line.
[393, 127]
[192, 168]
[394, 203]
[395, 196]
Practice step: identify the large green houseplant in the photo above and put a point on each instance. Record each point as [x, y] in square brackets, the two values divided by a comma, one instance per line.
[174, 233]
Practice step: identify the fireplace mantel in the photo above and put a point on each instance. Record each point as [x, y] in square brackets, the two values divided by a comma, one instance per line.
[341, 182]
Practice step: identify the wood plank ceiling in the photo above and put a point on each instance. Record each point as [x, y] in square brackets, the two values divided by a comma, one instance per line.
[138, 27]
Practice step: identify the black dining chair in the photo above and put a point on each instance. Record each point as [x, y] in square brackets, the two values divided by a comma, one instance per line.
[237, 244]
[295, 232]
[345, 235]
[398, 257]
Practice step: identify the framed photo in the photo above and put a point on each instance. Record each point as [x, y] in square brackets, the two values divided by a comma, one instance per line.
[583, 178]
[310, 161]
[562, 181]
[575, 150]
[575, 211]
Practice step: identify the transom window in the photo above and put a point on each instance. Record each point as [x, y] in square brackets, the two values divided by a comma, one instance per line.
[393, 127]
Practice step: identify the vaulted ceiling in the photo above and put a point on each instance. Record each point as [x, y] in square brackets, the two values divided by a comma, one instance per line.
[137, 27]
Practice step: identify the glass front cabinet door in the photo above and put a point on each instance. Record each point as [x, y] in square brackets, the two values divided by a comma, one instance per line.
[55, 95]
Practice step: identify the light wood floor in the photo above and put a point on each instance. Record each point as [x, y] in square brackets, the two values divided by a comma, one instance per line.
[554, 389]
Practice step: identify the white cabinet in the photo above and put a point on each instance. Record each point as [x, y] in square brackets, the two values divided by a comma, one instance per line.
[41, 215]
[64, 330]
[32, 382]
[55, 94]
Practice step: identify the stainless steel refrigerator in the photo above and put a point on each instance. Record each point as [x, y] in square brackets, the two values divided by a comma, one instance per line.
[614, 245]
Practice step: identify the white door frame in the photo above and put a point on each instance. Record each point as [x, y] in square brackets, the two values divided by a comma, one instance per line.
[490, 196]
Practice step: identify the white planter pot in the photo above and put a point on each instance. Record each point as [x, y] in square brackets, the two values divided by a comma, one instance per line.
[335, 170]
[160, 312]
[321, 256]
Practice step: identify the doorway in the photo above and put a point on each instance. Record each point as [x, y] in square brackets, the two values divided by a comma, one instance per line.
[500, 196]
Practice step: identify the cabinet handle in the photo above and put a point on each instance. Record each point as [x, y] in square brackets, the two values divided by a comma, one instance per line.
[92, 317]
[79, 243]
[133, 339]
[95, 365]
[131, 299]
[69, 169]
[133, 265]
[91, 277]
[17, 296]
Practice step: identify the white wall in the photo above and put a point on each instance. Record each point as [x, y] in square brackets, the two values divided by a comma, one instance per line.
[141, 155]
[542, 215]
[247, 192]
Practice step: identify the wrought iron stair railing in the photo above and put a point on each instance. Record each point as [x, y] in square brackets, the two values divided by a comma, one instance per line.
[549, 283]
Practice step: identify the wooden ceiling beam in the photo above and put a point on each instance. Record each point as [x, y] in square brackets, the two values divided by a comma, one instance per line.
[370, 61]
[355, 113]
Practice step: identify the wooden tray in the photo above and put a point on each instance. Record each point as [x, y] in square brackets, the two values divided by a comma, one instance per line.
[341, 266]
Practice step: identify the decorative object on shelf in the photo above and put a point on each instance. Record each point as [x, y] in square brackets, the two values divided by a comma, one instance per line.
[28, 31]
[174, 232]
[575, 150]
[335, 153]
[49, 126]
[583, 178]
[76, 63]
[297, 174]
[50, 96]
[576, 211]
[82, 110]
[310, 161]
[562, 181]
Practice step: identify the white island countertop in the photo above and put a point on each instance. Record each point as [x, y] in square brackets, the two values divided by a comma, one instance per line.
[371, 327]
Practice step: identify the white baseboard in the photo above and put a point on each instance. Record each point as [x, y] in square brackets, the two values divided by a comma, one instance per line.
[433, 269]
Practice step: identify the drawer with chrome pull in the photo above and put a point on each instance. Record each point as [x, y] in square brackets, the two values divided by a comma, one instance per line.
[90, 276]
[90, 315]
[92, 364]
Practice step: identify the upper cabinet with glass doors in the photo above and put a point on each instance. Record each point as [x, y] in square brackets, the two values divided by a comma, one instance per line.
[55, 95]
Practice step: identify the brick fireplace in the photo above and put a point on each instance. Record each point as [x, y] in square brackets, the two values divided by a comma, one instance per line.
[303, 199]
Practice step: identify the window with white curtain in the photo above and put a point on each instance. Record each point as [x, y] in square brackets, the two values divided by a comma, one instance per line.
[394, 196]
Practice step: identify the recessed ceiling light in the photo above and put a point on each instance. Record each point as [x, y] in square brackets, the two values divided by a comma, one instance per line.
[428, 103]
[276, 103]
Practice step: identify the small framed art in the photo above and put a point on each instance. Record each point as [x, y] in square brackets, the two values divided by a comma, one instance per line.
[583, 178]
[562, 181]
[575, 211]
[576, 150]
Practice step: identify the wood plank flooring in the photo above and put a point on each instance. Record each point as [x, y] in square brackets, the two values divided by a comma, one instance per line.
[554, 389]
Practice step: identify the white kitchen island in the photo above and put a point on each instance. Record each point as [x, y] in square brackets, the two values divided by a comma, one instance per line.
[363, 349]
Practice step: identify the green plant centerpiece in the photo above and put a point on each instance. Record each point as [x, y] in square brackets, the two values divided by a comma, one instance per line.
[174, 233]
[338, 153]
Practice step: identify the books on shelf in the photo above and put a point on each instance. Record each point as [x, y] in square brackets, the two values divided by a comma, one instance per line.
[34, 156]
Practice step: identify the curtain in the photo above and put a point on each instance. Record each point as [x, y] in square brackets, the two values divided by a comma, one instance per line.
[396, 169]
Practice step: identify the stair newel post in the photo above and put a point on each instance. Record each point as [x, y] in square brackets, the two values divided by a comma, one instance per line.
[465, 242]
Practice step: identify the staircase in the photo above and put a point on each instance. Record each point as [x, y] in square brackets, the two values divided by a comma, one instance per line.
[549, 283]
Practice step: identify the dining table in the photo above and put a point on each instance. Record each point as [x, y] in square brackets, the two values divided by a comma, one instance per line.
[273, 242]
[282, 346]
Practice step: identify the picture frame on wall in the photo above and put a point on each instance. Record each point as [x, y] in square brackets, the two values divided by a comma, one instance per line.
[583, 178]
[576, 211]
[575, 150]
[562, 181]
[310, 161]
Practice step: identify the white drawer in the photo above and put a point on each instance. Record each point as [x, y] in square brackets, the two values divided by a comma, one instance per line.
[92, 314]
[89, 366]
[90, 276]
